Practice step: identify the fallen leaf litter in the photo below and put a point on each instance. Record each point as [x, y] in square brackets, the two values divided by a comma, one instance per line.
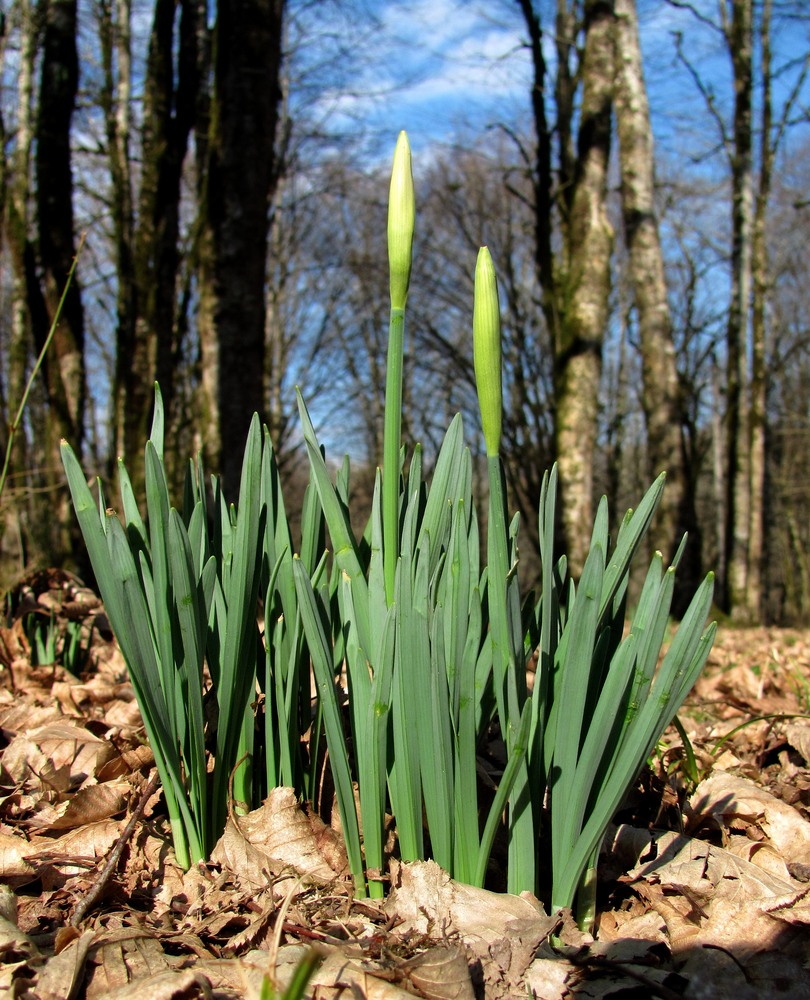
[704, 890]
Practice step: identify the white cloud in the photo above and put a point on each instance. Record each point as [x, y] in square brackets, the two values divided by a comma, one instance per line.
[429, 23]
[440, 61]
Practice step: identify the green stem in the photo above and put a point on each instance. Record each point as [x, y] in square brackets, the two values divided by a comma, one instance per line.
[182, 848]
[586, 893]
[504, 667]
[505, 655]
[497, 562]
[391, 449]
[187, 841]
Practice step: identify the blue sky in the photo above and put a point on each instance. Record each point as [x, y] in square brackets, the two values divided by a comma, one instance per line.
[433, 67]
[443, 67]
[445, 70]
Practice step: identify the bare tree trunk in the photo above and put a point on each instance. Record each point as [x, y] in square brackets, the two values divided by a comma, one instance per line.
[147, 341]
[279, 332]
[661, 398]
[64, 365]
[278, 347]
[585, 287]
[16, 228]
[799, 591]
[739, 36]
[240, 178]
[719, 468]
[761, 282]
[542, 177]
[17, 219]
[114, 30]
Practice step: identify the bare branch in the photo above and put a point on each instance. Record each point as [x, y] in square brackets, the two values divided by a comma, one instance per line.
[706, 93]
[697, 13]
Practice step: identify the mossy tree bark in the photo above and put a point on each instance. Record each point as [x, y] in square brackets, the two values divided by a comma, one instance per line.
[575, 280]
[660, 395]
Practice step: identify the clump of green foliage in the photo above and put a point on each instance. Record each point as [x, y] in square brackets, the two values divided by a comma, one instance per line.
[435, 646]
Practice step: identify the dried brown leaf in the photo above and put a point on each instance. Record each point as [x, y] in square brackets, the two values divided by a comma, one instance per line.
[138, 758]
[23, 759]
[256, 931]
[90, 804]
[58, 754]
[736, 802]
[62, 974]
[499, 929]
[550, 978]
[711, 898]
[126, 958]
[170, 985]
[123, 714]
[13, 942]
[759, 854]
[175, 884]
[797, 734]
[275, 836]
[74, 852]
[340, 976]
[442, 973]
[14, 852]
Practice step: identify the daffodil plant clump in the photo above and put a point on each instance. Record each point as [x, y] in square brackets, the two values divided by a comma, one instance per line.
[434, 645]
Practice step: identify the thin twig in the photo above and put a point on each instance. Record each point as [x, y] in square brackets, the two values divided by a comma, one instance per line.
[14, 426]
[92, 897]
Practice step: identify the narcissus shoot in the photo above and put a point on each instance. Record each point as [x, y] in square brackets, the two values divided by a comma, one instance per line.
[487, 350]
[401, 219]
[434, 645]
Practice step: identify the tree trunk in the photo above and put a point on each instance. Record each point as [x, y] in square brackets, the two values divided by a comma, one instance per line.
[239, 183]
[114, 29]
[64, 365]
[147, 347]
[542, 180]
[660, 397]
[17, 223]
[16, 226]
[585, 287]
[739, 36]
[761, 283]
[575, 282]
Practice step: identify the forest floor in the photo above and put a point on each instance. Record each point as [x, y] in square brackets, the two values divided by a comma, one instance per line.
[704, 887]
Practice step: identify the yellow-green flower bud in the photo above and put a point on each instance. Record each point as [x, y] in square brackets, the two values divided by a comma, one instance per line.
[401, 214]
[487, 350]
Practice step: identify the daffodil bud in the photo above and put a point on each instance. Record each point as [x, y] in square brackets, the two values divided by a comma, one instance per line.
[487, 350]
[401, 214]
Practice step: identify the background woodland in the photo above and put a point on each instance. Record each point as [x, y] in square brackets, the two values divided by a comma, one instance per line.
[656, 307]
